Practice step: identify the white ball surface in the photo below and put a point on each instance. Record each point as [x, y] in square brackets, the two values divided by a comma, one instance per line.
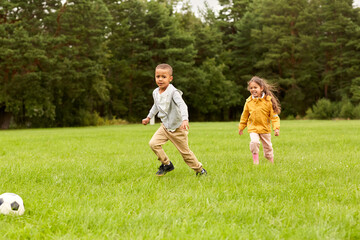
[11, 203]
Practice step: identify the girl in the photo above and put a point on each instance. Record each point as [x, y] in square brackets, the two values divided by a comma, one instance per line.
[261, 107]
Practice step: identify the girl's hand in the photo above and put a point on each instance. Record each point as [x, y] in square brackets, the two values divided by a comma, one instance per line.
[277, 132]
[145, 121]
[185, 125]
[241, 132]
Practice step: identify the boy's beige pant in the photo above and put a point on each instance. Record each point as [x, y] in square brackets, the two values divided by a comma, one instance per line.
[266, 141]
[180, 139]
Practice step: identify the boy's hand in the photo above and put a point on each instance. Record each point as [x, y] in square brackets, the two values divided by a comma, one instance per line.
[185, 125]
[241, 132]
[145, 121]
[277, 132]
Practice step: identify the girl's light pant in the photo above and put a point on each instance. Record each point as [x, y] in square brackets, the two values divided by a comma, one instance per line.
[180, 139]
[266, 141]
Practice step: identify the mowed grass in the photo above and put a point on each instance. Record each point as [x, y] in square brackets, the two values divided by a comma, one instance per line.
[100, 183]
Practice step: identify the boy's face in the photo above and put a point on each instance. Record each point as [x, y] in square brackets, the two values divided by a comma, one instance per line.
[163, 78]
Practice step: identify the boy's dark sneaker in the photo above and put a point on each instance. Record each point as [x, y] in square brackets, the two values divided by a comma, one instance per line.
[163, 169]
[203, 172]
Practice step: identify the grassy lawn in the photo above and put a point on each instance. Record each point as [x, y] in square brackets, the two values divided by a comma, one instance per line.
[100, 183]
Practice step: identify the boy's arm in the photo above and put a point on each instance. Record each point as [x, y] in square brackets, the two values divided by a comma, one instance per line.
[153, 111]
[183, 110]
[182, 105]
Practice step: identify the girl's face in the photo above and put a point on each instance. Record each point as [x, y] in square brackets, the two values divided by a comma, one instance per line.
[255, 89]
[163, 79]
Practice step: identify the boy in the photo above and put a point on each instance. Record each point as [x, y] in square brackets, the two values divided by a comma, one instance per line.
[172, 111]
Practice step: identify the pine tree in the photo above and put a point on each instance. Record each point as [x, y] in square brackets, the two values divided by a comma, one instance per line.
[353, 59]
[338, 39]
[24, 80]
[144, 35]
[81, 88]
[283, 47]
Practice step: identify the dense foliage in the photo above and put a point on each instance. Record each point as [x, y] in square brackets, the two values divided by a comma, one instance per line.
[67, 63]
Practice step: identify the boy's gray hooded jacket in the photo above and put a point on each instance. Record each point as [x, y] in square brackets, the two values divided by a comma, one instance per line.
[177, 111]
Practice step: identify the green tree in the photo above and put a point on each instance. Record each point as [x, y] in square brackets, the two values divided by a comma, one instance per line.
[231, 13]
[244, 53]
[143, 35]
[81, 87]
[338, 38]
[24, 80]
[273, 40]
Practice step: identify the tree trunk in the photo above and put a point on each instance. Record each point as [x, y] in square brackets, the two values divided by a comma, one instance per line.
[5, 119]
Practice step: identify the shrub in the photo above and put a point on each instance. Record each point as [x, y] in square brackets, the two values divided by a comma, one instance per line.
[323, 109]
[290, 117]
[356, 112]
[88, 118]
[100, 121]
[346, 110]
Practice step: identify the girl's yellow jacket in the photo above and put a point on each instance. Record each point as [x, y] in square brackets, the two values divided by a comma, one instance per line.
[257, 115]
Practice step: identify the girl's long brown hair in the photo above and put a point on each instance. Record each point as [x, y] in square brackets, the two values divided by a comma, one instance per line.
[269, 90]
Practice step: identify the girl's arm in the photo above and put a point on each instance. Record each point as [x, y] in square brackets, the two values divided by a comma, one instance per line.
[244, 119]
[274, 117]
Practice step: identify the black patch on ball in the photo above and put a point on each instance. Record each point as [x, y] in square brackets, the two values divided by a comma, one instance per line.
[15, 206]
[1, 201]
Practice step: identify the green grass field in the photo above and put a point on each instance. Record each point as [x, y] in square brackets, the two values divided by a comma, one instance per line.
[100, 183]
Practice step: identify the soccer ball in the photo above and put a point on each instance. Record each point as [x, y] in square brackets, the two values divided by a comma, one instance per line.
[10, 203]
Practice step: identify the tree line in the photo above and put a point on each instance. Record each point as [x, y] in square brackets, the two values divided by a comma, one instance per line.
[71, 63]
